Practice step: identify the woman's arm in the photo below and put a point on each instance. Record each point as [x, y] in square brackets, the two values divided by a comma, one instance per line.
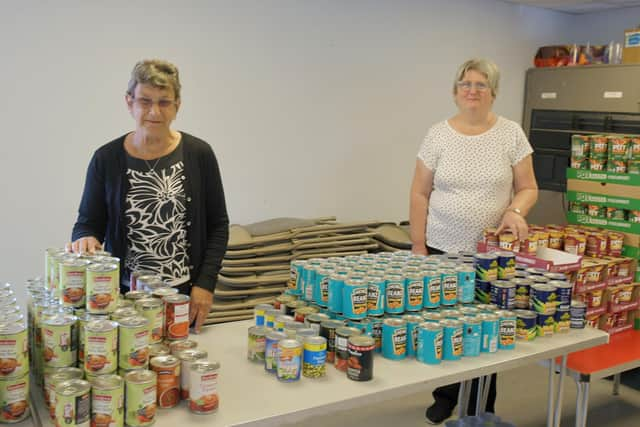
[525, 190]
[419, 203]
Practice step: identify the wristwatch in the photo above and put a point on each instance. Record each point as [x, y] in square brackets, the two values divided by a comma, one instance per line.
[516, 210]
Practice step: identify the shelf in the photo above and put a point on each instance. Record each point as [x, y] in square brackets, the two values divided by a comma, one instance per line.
[624, 226]
[603, 176]
[603, 200]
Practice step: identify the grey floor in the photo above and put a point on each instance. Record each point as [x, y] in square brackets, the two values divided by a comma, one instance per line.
[522, 400]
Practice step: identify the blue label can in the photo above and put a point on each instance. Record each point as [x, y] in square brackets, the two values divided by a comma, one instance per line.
[543, 298]
[507, 330]
[522, 292]
[483, 291]
[354, 299]
[336, 284]
[429, 348]
[308, 277]
[271, 350]
[486, 266]
[466, 284]
[295, 277]
[469, 310]
[526, 325]
[321, 286]
[490, 332]
[431, 289]
[375, 295]
[503, 294]
[563, 292]
[394, 294]
[471, 336]
[376, 332]
[365, 326]
[506, 264]
[546, 325]
[413, 320]
[259, 313]
[413, 291]
[452, 339]
[563, 320]
[448, 287]
[394, 339]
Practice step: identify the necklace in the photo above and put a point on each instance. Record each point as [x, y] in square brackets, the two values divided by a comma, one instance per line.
[152, 168]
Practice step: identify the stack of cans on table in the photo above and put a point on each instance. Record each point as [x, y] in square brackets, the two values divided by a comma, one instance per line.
[611, 153]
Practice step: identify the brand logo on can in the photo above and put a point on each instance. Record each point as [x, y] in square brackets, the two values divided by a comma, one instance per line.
[399, 338]
[359, 300]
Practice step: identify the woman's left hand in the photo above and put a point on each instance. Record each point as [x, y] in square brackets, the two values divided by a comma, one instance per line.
[201, 302]
[515, 223]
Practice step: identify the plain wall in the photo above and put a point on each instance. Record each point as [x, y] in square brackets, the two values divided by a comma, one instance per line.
[605, 26]
[313, 108]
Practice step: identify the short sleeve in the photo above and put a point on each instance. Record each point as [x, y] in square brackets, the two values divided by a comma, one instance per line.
[522, 147]
[428, 152]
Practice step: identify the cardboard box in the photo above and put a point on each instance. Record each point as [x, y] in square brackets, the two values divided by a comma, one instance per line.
[604, 193]
[631, 50]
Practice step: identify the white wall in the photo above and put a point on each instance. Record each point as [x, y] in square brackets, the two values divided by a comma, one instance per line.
[606, 26]
[313, 107]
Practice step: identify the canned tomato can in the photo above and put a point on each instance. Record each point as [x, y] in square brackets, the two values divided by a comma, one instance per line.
[313, 321]
[152, 309]
[466, 284]
[289, 360]
[543, 298]
[133, 342]
[314, 357]
[564, 293]
[562, 319]
[578, 314]
[73, 403]
[14, 350]
[140, 398]
[60, 339]
[452, 347]
[177, 346]
[486, 266]
[432, 284]
[259, 313]
[506, 264]
[546, 325]
[375, 295]
[54, 376]
[394, 339]
[176, 317]
[448, 288]
[413, 320]
[430, 339]
[203, 380]
[490, 332]
[394, 294]
[188, 358]
[471, 336]
[167, 369]
[103, 287]
[483, 291]
[334, 291]
[101, 347]
[507, 330]
[376, 332]
[72, 281]
[522, 292]
[526, 325]
[271, 349]
[341, 351]
[14, 395]
[256, 343]
[107, 401]
[360, 365]
[414, 291]
[503, 294]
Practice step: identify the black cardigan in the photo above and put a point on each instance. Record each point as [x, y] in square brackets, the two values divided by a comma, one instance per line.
[102, 209]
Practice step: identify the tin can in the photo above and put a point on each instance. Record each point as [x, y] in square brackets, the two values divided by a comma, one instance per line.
[430, 340]
[54, 376]
[291, 306]
[289, 360]
[483, 291]
[203, 379]
[176, 317]
[314, 320]
[259, 312]
[164, 291]
[413, 320]
[506, 264]
[158, 349]
[543, 298]
[486, 266]
[107, 401]
[149, 282]
[507, 330]
[342, 335]
[354, 299]
[270, 316]
[102, 287]
[133, 343]
[133, 278]
[394, 294]
[314, 357]
[136, 295]
[328, 330]
[187, 359]
[60, 339]
[280, 303]
[282, 319]
[321, 286]
[471, 336]
[452, 339]
[448, 288]
[360, 366]
[14, 395]
[580, 146]
[563, 293]
[140, 403]
[466, 284]
[178, 346]
[72, 281]
[414, 291]
[295, 276]
[256, 344]
[14, 350]
[152, 309]
[523, 287]
[167, 369]
[450, 313]
[394, 339]
[365, 326]
[334, 291]
[271, 349]
[101, 347]
[432, 285]
[375, 295]
[301, 313]
[302, 333]
[526, 325]
[546, 325]
[503, 294]
[562, 319]
[73, 403]
[122, 313]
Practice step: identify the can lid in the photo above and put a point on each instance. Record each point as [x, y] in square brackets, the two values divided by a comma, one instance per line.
[263, 307]
[133, 321]
[487, 256]
[140, 376]
[347, 331]
[58, 375]
[75, 262]
[107, 382]
[305, 332]
[72, 387]
[276, 335]
[354, 282]
[102, 268]
[560, 284]
[505, 313]
[148, 303]
[315, 340]
[258, 330]
[332, 323]
[101, 325]
[136, 295]
[164, 292]
[545, 287]
[10, 328]
[431, 326]
[121, 313]
[206, 366]
[361, 341]
[177, 298]
[451, 322]
[394, 322]
[61, 319]
[289, 343]
[167, 361]
[159, 349]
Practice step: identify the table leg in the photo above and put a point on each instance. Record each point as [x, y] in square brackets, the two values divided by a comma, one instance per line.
[550, 391]
[462, 410]
[558, 409]
[585, 404]
[479, 394]
[485, 392]
[616, 384]
[579, 391]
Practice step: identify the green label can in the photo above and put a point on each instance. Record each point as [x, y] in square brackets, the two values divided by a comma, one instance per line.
[101, 347]
[14, 394]
[60, 339]
[133, 343]
[107, 401]
[73, 403]
[72, 281]
[102, 288]
[140, 401]
[14, 359]
[53, 377]
[152, 310]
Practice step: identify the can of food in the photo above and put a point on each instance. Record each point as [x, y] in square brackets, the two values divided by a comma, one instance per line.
[148, 282]
[321, 286]
[617, 165]
[14, 395]
[289, 360]
[414, 291]
[292, 306]
[503, 294]
[188, 358]
[314, 357]
[448, 288]
[72, 281]
[60, 339]
[140, 403]
[107, 401]
[394, 339]
[300, 314]
[328, 330]
[466, 283]
[394, 294]
[54, 376]
[562, 319]
[526, 325]
[483, 291]
[256, 344]
[162, 292]
[158, 349]
[203, 380]
[280, 302]
[133, 278]
[167, 369]
[133, 343]
[271, 349]
[122, 313]
[507, 330]
[259, 313]
[73, 403]
[432, 289]
[101, 347]
[176, 317]
[295, 276]
[342, 335]
[452, 339]
[580, 162]
[430, 339]
[335, 286]
[354, 299]
[177, 346]
[486, 266]
[543, 298]
[375, 295]
[102, 287]
[136, 295]
[152, 309]
[14, 350]
[523, 287]
[312, 321]
[546, 325]
[361, 349]
[413, 320]
[506, 264]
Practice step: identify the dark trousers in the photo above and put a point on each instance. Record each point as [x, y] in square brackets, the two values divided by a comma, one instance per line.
[447, 395]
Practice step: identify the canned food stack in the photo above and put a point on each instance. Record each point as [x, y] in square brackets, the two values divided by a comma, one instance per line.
[610, 153]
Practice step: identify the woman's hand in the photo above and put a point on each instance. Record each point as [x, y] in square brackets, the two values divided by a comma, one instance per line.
[515, 223]
[419, 250]
[201, 302]
[84, 245]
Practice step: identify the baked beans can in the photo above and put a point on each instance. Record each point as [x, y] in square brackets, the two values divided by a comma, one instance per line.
[256, 343]
[414, 291]
[73, 403]
[176, 317]
[14, 395]
[394, 339]
[342, 335]
[466, 283]
[507, 330]
[271, 349]
[295, 276]
[133, 343]
[72, 282]
[523, 287]
[526, 325]
[54, 376]
[471, 336]
[486, 266]
[394, 302]
[141, 394]
[334, 291]
[546, 325]
[259, 312]
[430, 339]
[103, 288]
[354, 299]
[432, 284]
[289, 360]
[452, 347]
[60, 339]
[375, 294]
[152, 309]
[360, 365]
[314, 357]
[14, 350]
[203, 378]
[107, 401]
[321, 286]
[101, 347]
[167, 369]
[413, 320]
[448, 288]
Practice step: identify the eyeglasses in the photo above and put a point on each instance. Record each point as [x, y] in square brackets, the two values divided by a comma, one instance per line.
[479, 86]
[147, 104]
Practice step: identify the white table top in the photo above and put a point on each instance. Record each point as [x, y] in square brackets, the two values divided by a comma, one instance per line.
[249, 396]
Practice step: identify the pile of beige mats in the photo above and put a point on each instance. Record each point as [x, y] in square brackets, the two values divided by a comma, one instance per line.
[392, 237]
[255, 268]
